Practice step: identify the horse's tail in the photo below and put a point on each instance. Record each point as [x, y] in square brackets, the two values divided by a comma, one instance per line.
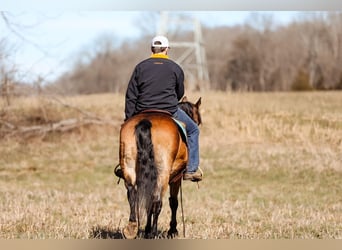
[146, 170]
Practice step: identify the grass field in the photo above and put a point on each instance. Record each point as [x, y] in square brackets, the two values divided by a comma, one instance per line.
[272, 167]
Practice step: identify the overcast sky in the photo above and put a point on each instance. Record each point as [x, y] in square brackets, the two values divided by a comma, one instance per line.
[49, 41]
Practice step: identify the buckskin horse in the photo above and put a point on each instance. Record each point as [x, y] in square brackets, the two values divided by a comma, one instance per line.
[153, 155]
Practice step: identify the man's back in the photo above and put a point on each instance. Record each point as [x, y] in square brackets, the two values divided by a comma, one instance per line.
[156, 83]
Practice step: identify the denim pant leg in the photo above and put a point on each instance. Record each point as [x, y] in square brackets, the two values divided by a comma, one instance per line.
[192, 131]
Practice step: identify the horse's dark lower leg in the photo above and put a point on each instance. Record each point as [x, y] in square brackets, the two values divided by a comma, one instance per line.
[131, 196]
[155, 211]
[173, 201]
[156, 208]
[148, 223]
[131, 230]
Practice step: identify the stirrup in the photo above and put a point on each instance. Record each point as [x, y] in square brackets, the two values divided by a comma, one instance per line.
[118, 172]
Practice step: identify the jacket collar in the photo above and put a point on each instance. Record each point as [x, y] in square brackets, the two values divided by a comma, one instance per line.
[160, 56]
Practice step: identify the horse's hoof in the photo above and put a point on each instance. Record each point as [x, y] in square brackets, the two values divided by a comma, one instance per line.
[149, 236]
[131, 230]
[172, 234]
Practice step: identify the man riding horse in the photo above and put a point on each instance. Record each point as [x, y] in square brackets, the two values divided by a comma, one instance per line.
[157, 83]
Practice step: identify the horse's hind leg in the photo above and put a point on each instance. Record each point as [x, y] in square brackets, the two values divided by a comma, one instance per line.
[152, 232]
[148, 224]
[156, 208]
[173, 201]
[131, 230]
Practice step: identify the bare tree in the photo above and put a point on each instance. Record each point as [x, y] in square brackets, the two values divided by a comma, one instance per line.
[257, 56]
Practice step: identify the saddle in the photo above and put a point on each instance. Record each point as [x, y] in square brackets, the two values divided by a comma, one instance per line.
[181, 126]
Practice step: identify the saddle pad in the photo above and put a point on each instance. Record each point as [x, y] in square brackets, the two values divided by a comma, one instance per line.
[182, 130]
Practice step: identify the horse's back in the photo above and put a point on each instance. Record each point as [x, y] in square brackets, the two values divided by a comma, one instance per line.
[162, 126]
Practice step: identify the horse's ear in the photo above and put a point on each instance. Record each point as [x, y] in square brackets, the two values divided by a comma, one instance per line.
[198, 103]
[184, 99]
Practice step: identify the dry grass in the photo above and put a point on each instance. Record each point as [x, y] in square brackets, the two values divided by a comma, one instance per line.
[272, 162]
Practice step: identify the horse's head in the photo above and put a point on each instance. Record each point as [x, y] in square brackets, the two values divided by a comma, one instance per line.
[191, 109]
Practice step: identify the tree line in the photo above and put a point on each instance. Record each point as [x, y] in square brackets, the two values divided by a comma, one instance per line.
[304, 55]
[260, 55]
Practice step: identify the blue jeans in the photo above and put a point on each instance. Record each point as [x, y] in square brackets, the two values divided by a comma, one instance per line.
[192, 131]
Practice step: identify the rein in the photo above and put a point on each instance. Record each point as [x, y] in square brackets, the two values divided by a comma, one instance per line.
[181, 200]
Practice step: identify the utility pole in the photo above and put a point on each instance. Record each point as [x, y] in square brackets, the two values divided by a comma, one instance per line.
[193, 56]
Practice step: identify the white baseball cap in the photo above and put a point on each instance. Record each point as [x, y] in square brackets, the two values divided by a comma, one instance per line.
[164, 42]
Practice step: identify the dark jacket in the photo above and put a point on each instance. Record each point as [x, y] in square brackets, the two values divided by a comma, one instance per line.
[156, 83]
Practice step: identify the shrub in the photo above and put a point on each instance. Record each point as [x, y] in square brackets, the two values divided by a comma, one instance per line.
[301, 82]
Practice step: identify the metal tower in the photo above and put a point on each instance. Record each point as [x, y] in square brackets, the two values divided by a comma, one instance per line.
[191, 55]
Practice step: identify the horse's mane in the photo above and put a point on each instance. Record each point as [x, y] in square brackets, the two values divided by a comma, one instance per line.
[188, 108]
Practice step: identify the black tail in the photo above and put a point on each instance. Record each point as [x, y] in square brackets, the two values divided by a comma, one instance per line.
[146, 169]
